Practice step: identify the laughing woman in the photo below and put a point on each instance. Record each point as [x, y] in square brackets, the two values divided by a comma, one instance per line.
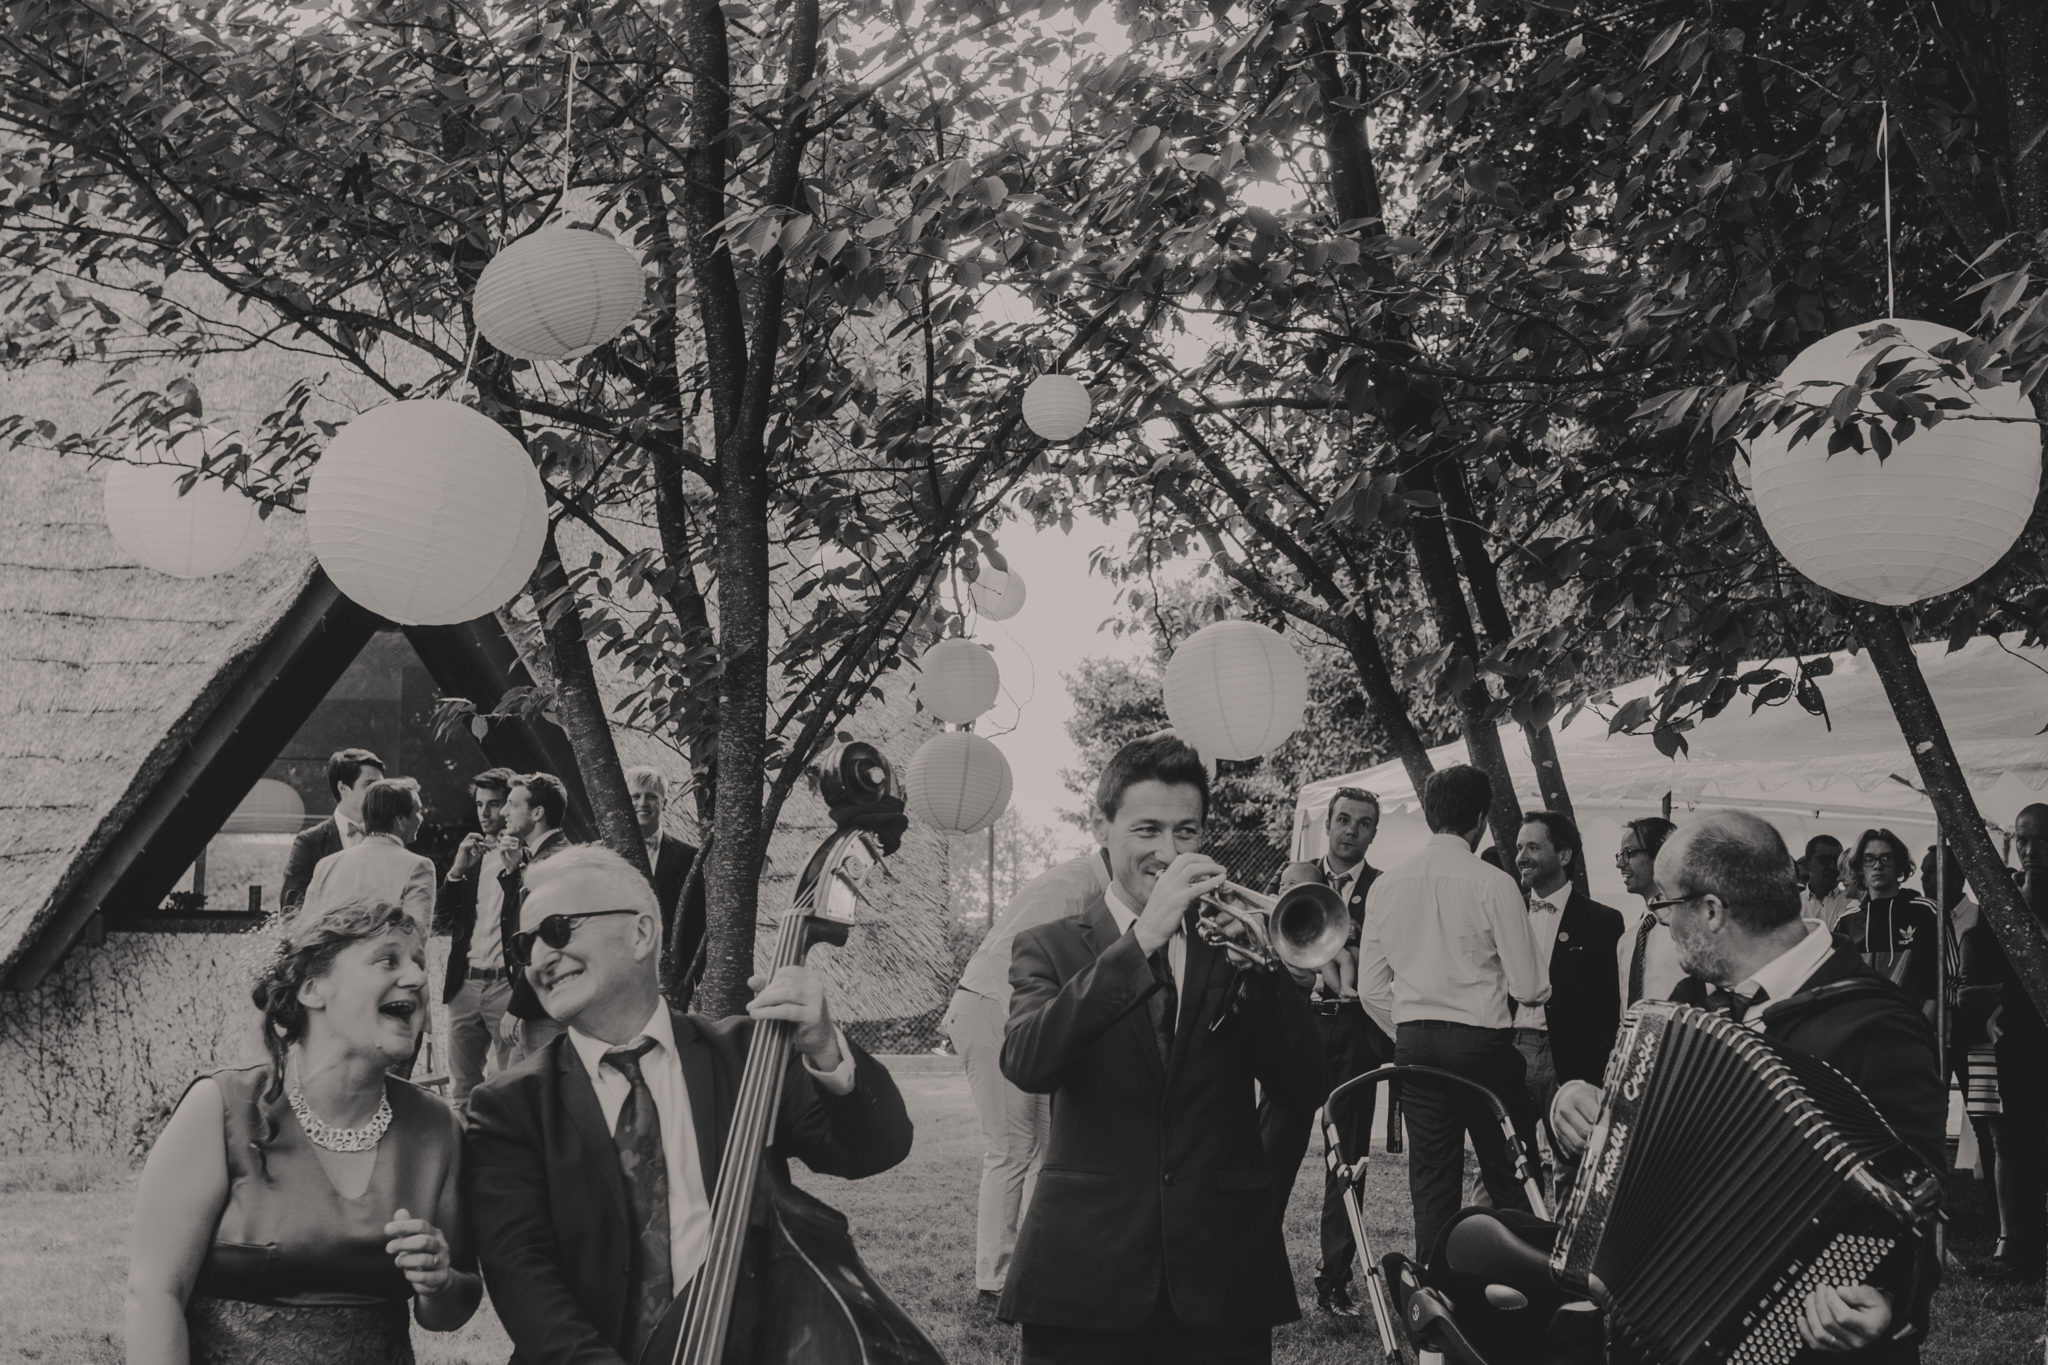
[291, 1211]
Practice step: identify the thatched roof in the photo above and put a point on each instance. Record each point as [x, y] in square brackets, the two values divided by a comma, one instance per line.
[105, 668]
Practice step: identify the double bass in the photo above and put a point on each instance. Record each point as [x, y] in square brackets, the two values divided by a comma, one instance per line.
[782, 1283]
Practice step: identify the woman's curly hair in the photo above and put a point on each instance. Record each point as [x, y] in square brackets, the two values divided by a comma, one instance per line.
[311, 941]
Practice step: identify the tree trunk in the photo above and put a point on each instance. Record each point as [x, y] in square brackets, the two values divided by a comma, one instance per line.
[2019, 933]
[581, 709]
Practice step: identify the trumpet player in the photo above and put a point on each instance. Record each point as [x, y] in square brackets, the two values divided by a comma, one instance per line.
[1153, 1234]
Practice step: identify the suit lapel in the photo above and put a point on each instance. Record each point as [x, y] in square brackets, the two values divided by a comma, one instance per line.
[1098, 931]
[579, 1097]
[1203, 962]
[702, 1079]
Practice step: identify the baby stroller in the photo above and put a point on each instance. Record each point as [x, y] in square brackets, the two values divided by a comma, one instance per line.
[1483, 1294]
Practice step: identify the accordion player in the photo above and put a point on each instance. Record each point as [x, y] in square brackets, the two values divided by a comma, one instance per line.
[1729, 1177]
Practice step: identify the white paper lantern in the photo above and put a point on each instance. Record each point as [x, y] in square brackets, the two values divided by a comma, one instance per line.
[426, 512]
[1933, 515]
[557, 291]
[1235, 690]
[958, 782]
[957, 680]
[209, 530]
[271, 807]
[1057, 406]
[998, 594]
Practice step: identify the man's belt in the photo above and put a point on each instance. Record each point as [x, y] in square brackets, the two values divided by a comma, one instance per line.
[488, 974]
[1323, 1004]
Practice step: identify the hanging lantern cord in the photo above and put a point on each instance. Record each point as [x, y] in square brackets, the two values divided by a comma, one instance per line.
[1884, 151]
[569, 126]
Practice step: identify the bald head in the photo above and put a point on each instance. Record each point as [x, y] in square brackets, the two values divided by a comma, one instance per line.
[2030, 836]
[1740, 859]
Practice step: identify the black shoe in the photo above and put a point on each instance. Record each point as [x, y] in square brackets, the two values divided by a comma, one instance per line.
[1335, 1299]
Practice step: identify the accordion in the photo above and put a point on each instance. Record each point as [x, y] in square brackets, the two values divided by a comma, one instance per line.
[1725, 1179]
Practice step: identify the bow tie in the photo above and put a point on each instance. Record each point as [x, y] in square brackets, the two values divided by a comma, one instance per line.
[1539, 906]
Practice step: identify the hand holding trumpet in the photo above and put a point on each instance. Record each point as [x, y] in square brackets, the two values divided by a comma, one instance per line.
[1188, 878]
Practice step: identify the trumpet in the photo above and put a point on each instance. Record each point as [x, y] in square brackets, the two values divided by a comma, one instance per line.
[1303, 928]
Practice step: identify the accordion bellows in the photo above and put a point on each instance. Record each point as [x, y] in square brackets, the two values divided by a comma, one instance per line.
[1725, 1179]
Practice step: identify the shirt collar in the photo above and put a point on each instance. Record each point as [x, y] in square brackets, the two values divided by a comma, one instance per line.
[660, 1027]
[1784, 974]
[385, 834]
[1556, 899]
[1119, 909]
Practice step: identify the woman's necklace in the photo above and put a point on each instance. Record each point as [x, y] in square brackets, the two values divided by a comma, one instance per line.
[324, 1134]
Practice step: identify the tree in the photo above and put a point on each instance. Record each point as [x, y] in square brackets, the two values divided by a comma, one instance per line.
[805, 384]
[1022, 851]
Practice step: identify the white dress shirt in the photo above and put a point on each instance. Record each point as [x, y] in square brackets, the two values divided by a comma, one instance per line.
[1661, 968]
[1545, 912]
[1825, 910]
[351, 831]
[1065, 890]
[1447, 937]
[689, 1205]
[1782, 977]
[1176, 947]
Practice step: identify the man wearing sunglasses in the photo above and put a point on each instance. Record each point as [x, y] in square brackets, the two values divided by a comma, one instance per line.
[589, 1169]
[1727, 891]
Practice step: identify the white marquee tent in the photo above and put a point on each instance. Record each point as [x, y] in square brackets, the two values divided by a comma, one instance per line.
[1786, 765]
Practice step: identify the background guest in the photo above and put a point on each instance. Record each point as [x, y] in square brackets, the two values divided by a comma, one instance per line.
[1445, 947]
[670, 860]
[1568, 1038]
[535, 806]
[349, 775]
[478, 985]
[381, 866]
[1822, 897]
[1649, 968]
[1897, 932]
[1013, 1122]
[1353, 1042]
[293, 1210]
[2021, 1041]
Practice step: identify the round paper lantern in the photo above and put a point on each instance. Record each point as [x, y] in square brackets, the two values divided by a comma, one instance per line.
[957, 680]
[1057, 406]
[207, 531]
[958, 782]
[557, 291]
[1933, 515]
[998, 594]
[426, 512]
[1235, 690]
[271, 807]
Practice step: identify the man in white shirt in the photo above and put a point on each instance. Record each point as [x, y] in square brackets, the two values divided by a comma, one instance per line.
[1649, 959]
[380, 866]
[1445, 947]
[478, 986]
[1013, 1122]
[588, 1171]
[1734, 914]
[1822, 897]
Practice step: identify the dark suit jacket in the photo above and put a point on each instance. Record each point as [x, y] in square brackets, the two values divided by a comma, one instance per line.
[455, 916]
[671, 860]
[1584, 1011]
[1878, 1038]
[548, 1203]
[1152, 1163]
[309, 846]
[524, 1004]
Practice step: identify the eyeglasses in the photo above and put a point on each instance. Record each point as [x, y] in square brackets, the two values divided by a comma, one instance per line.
[1879, 860]
[554, 931]
[1662, 909]
[1621, 859]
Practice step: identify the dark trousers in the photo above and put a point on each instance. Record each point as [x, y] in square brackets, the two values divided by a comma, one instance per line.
[1353, 1046]
[1163, 1340]
[2023, 1143]
[1439, 1116]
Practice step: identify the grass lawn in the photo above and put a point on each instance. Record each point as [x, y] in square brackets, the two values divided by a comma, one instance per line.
[64, 1257]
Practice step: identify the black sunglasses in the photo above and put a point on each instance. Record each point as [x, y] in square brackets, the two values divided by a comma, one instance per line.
[553, 931]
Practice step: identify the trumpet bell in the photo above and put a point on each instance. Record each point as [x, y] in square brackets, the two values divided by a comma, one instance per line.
[1308, 926]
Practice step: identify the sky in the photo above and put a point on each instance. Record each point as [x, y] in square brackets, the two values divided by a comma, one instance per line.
[1064, 605]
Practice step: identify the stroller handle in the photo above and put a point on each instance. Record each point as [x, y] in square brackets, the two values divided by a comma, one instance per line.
[1394, 1071]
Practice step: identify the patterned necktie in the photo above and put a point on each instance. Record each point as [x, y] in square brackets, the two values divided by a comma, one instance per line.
[1637, 958]
[1165, 1002]
[638, 1136]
